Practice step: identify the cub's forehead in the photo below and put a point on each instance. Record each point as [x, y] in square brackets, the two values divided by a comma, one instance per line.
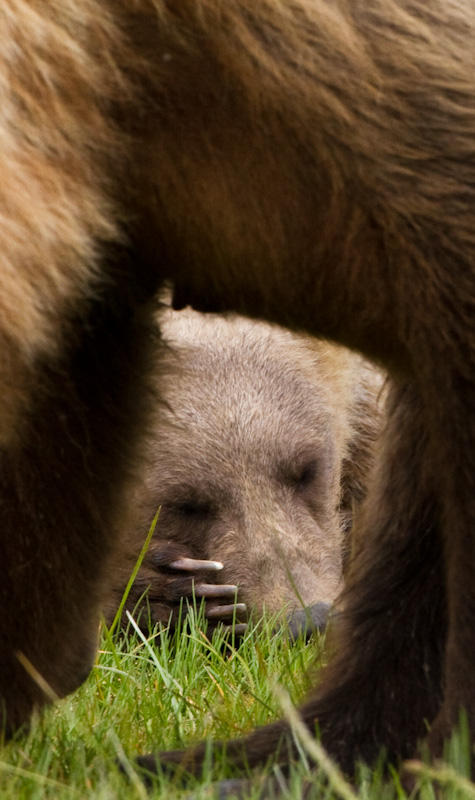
[233, 386]
[245, 391]
[233, 333]
[252, 358]
[236, 427]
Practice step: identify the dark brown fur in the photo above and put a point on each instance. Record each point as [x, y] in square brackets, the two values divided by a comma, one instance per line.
[307, 161]
[259, 459]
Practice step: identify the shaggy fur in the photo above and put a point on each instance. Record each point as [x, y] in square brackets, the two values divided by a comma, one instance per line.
[259, 459]
[307, 161]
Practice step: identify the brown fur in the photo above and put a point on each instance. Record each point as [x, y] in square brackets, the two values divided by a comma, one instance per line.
[307, 161]
[259, 459]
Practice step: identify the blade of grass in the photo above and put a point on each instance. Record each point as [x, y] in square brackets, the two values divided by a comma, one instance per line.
[335, 777]
[134, 573]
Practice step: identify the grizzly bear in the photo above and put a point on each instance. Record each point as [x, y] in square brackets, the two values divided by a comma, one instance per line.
[258, 460]
[310, 163]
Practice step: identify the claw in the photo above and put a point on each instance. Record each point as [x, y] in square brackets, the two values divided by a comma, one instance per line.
[220, 612]
[239, 629]
[215, 590]
[195, 565]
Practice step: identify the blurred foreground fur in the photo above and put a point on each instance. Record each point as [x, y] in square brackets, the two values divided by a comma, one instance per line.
[309, 162]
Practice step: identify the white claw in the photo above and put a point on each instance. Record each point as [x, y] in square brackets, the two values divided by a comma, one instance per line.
[195, 565]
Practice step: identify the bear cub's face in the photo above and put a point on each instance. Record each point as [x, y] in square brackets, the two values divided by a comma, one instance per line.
[248, 455]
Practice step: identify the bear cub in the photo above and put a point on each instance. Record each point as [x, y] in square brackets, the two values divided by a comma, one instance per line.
[259, 458]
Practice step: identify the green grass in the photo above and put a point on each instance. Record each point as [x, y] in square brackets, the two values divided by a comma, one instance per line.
[163, 693]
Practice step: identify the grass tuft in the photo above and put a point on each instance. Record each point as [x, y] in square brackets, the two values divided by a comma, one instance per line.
[164, 691]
